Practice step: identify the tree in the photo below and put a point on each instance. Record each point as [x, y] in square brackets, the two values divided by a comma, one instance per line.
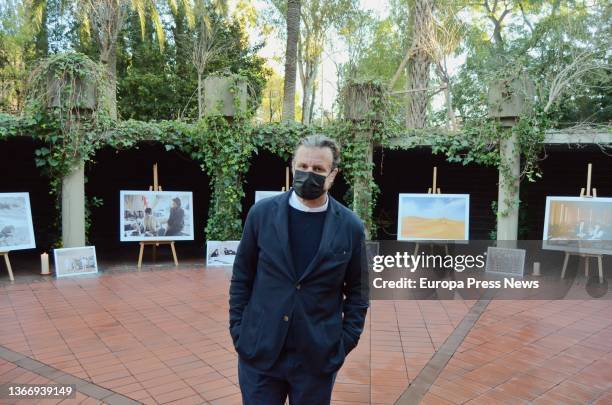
[207, 45]
[562, 47]
[272, 102]
[293, 34]
[22, 40]
[418, 67]
[105, 19]
[155, 85]
[318, 18]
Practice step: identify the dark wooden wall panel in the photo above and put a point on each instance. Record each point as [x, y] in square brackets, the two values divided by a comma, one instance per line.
[564, 173]
[133, 170]
[410, 171]
[18, 173]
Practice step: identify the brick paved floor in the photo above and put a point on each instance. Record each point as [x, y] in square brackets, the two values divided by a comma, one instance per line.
[161, 337]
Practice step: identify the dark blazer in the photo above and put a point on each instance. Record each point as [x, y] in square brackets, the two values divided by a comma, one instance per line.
[326, 306]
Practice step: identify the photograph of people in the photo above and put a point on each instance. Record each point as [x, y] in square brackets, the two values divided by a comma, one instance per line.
[299, 292]
[176, 221]
[156, 215]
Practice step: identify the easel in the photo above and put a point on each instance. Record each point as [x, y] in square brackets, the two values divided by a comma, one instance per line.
[286, 188]
[8, 264]
[432, 190]
[586, 194]
[155, 244]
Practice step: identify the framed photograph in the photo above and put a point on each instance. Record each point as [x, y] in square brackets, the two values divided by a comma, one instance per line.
[433, 217]
[260, 195]
[156, 215]
[221, 253]
[578, 225]
[75, 261]
[16, 230]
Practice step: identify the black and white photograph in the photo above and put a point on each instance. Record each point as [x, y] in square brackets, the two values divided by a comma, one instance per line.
[75, 261]
[221, 253]
[261, 194]
[16, 230]
[156, 215]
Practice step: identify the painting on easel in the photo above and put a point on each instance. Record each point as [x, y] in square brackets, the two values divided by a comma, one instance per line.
[577, 224]
[16, 230]
[433, 217]
[156, 215]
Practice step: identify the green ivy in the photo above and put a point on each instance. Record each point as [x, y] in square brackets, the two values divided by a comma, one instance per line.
[224, 147]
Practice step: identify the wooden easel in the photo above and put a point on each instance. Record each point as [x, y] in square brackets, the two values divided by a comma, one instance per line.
[432, 190]
[8, 264]
[586, 193]
[155, 244]
[286, 188]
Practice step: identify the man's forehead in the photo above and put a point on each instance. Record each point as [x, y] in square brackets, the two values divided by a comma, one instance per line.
[314, 153]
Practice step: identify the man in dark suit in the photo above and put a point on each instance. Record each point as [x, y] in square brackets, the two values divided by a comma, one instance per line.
[299, 289]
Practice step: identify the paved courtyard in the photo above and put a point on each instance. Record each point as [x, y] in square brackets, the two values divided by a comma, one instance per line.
[160, 336]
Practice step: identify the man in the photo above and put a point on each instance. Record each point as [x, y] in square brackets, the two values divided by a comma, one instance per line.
[150, 224]
[176, 220]
[299, 290]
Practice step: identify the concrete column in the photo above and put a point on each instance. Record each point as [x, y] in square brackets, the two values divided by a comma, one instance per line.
[73, 208]
[508, 193]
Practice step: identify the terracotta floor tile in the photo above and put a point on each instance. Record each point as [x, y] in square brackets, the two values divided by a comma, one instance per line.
[162, 335]
[575, 391]
[174, 395]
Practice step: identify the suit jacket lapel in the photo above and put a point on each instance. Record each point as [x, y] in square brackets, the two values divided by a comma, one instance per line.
[330, 230]
[281, 223]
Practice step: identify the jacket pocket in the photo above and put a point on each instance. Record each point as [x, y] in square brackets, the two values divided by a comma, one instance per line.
[247, 335]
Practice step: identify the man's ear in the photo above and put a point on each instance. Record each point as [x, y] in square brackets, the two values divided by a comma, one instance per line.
[333, 174]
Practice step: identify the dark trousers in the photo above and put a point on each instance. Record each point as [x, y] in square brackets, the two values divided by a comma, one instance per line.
[286, 378]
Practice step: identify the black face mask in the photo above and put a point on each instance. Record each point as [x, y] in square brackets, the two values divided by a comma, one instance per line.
[308, 185]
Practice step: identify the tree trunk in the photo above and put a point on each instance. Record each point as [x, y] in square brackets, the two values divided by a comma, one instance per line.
[293, 33]
[108, 57]
[309, 77]
[42, 36]
[200, 101]
[448, 97]
[307, 94]
[312, 103]
[418, 68]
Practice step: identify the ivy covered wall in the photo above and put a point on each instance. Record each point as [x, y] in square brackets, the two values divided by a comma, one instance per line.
[67, 113]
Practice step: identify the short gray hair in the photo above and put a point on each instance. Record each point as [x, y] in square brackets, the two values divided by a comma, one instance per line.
[320, 141]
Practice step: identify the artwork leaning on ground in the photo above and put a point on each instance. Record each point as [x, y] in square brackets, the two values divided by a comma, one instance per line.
[260, 195]
[16, 230]
[75, 261]
[578, 225]
[156, 215]
[221, 253]
[433, 217]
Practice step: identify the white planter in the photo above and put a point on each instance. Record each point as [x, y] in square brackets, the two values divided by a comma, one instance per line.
[219, 98]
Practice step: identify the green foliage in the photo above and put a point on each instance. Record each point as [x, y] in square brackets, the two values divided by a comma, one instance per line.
[366, 110]
[67, 100]
[227, 149]
[154, 85]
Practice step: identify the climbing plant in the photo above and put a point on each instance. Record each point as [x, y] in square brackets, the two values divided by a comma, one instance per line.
[60, 112]
[67, 99]
[365, 108]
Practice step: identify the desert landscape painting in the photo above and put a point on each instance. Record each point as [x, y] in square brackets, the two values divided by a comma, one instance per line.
[433, 217]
